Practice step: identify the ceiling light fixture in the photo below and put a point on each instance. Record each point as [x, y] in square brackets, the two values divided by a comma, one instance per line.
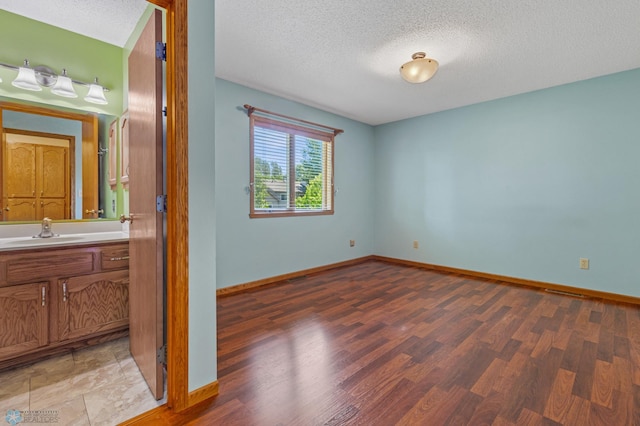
[420, 69]
[35, 78]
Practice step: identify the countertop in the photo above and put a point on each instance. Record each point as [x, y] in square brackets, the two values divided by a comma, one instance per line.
[64, 240]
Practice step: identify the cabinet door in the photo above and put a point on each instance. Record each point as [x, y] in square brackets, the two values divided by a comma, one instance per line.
[24, 318]
[93, 303]
[20, 167]
[53, 209]
[53, 184]
[20, 209]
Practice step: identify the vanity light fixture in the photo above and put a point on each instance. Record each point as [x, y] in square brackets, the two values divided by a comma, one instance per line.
[419, 69]
[96, 94]
[26, 78]
[35, 78]
[64, 86]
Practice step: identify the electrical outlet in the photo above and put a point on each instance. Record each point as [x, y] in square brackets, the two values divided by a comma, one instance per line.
[584, 263]
[415, 244]
[352, 243]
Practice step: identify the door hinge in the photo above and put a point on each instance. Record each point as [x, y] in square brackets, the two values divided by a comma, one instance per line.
[164, 111]
[161, 355]
[161, 51]
[161, 203]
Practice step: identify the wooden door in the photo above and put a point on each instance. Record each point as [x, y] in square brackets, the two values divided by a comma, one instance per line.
[36, 181]
[91, 304]
[19, 181]
[52, 181]
[24, 314]
[20, 176]
[145, 183]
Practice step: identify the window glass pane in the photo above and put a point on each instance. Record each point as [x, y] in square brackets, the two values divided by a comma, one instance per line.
[270, 168]
[309, 173]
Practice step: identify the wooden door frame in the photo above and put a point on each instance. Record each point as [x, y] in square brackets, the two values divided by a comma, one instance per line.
[178, 397]
[89, 123]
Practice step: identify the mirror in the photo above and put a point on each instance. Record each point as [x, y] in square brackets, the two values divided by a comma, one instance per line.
[54, 164]
[86, 173]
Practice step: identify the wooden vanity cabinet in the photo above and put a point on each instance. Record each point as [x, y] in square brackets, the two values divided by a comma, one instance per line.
[93, 303]
[24, 315]
[55, 299]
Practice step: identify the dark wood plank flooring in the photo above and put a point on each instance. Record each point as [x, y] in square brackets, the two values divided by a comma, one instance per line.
[384, 344]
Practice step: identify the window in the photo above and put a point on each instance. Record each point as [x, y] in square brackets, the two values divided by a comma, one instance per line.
[291, 169]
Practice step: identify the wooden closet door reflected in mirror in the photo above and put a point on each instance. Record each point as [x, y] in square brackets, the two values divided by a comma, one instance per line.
[37, 175]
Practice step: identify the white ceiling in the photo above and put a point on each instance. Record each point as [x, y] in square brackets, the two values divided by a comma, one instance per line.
[111, 21]
[343, 56]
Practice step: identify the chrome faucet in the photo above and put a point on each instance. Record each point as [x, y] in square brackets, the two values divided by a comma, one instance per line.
[46, 231]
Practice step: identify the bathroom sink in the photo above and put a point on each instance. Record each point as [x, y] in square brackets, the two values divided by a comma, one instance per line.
[27, 242]
[42, 241]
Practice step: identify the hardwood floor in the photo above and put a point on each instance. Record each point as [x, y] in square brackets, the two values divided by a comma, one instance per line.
[383, 344]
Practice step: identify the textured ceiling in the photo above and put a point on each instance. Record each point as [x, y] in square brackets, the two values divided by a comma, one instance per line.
[111, 21]
[343, 56]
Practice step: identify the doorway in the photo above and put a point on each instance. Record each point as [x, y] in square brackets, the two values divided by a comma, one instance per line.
[177, 216]
[154, 352]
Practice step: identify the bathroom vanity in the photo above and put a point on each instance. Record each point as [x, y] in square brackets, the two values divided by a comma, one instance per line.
[67, 292]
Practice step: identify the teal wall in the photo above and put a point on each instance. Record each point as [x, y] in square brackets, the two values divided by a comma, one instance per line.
[202, 196]
[252, 249]
[522, 186]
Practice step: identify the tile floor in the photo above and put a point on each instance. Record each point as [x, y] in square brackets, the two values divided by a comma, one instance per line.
[100, 385]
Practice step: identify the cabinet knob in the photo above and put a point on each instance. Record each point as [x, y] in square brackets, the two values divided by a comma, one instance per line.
[124, 218]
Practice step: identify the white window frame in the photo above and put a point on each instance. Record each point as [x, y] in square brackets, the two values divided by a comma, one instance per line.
[293, 130]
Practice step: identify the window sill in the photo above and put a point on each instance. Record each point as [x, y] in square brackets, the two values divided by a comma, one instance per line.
[261, 215]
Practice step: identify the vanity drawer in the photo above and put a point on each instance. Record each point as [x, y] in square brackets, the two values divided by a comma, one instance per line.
[24, 267]
[116, 257]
